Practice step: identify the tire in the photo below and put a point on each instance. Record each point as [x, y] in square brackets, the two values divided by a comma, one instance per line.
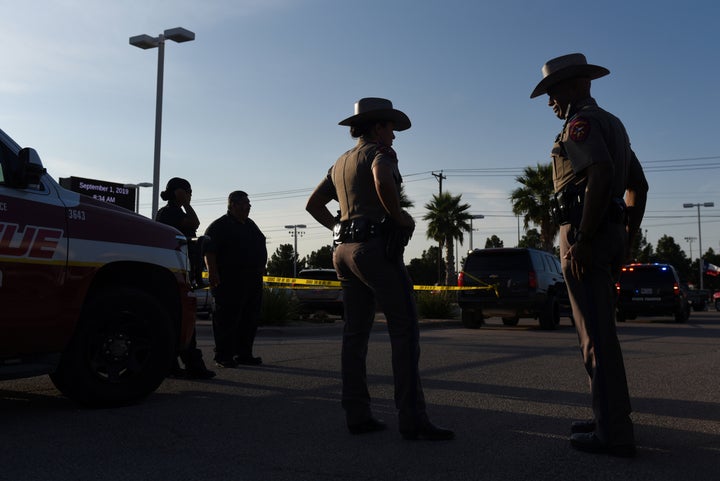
[471, 318]
[549, 317]
[510, 321]
[620, 316]
[121, 352]
[682, 315]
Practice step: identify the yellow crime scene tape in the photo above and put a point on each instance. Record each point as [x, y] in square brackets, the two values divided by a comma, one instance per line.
[296, 283]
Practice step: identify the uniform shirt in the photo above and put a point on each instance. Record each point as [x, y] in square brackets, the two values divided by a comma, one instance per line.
[173, 215]
[592, 135]
[238, 246]
[351, 180]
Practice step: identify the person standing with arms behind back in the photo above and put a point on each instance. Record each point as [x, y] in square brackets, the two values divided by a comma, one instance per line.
[236, 255]
[600, 192]
[370, 238]
[179, 213]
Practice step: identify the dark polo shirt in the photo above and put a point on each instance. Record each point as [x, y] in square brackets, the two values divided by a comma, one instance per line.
[239, 248]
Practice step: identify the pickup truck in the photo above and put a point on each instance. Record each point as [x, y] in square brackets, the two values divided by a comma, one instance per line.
[698, 298]
[92, 294]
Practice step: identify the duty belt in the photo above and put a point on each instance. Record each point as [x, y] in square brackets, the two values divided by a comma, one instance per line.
[567, 207]
[356, 230]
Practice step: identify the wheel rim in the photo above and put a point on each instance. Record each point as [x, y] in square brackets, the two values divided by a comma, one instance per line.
[120, 348]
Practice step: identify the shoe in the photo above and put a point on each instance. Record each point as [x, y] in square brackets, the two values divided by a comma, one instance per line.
[225, 363]
[248, 361]
[428, 432]
[200, 374]
[590, 443]
[371, 425]
[583, 426]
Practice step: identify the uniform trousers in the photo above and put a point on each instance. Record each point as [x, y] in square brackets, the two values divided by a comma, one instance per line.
[593, 301]
[367, 277]
[236, 317]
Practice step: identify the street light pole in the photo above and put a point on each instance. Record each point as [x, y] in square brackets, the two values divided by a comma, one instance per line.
[137, 193]
[478, 216]
[700, 252]
[145, 42]
[294, 232]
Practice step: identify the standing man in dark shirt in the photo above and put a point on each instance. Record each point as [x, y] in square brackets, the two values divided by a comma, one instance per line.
[602, 192]
[236, 255]
[179, 213]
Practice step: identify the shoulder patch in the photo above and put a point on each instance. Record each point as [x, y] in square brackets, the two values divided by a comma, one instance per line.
[579, 129]
[387, 150]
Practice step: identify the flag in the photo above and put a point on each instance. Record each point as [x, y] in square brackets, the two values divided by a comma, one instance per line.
[712, 269]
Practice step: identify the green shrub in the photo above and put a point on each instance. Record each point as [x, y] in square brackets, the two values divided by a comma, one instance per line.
[436, 305]
[278, 306]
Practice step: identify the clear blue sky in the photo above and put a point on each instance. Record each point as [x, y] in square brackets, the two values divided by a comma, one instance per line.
[253, 103]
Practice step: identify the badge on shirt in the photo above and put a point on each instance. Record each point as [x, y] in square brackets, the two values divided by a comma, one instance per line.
[579, 129]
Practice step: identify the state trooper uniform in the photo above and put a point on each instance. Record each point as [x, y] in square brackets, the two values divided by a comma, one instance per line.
[369, 263]
[593, 137]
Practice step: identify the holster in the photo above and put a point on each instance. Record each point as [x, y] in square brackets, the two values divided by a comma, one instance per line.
[396, 238]
[566, 206]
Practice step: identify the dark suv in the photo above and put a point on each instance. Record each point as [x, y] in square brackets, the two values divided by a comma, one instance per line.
[651, 290]
[519, 283]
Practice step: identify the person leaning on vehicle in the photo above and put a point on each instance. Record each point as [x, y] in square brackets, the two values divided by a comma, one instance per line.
[179, 213]
[601, 193]
[370, 238]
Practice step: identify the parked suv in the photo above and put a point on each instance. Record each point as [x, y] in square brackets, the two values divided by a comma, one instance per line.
[520, 282]
[319, 296]
[651, 290]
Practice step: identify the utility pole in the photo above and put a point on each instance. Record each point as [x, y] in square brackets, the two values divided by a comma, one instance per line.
[439, 178]
[294, 232]
[690, 240]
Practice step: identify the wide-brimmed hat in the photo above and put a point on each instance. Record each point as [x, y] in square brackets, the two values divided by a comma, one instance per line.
[565, 67]
[373, 108]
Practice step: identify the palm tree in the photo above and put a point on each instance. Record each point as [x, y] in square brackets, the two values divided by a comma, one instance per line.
[532, 201]
[448, 220]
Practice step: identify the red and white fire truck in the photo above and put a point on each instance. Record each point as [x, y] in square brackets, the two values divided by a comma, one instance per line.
[91, 293]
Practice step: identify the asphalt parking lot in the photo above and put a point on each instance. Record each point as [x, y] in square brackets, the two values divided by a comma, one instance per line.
[509, 393]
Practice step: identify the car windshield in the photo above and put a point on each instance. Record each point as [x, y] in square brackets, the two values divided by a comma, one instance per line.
[498, 261]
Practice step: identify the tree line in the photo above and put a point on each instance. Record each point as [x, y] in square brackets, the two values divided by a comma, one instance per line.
[449, 219]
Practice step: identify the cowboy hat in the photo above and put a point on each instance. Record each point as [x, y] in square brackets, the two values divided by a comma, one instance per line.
[373, 108]
[565, 67]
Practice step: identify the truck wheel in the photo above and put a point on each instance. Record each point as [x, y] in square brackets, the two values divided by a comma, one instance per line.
[510, 321]
[121, 351]
[549, 317]
[472, 318]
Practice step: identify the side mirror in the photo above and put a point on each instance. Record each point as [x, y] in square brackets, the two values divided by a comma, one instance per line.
[23, 170]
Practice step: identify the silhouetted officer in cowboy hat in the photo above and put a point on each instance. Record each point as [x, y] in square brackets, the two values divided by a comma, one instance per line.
[601, 193]
[370, 238]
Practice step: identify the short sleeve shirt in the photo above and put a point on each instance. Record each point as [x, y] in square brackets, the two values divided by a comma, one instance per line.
[351, 180]
[238, 246]
[591, 136]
